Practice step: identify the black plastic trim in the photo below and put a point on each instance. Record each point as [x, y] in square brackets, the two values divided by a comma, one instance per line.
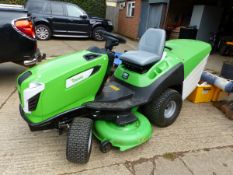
[98, 50]
[54, 120]
[111, 57]
[120, 118]
[91, 56]
[24, 77]
[173, 77]
[96, 69]
[32, 102]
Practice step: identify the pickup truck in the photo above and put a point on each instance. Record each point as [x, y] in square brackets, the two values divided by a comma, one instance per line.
[17, 36]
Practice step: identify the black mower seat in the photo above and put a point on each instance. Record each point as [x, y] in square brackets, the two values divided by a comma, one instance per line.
[150, 49]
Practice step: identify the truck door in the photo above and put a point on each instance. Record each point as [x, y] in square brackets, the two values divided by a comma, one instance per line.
[58, 18]
[78, 24]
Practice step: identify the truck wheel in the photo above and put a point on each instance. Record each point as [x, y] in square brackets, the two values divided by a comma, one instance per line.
[164, 110]
[43, 32]
[79, 140]
[96, 35]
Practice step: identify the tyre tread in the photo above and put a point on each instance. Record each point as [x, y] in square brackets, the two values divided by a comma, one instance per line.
[152, 109]
[78, 139]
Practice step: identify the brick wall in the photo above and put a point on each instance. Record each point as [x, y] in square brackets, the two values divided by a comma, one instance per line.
[128, 26]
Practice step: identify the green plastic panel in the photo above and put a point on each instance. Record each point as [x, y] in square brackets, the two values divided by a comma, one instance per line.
[191, 52]
[124, 137]
[188, 52]
[57, 98]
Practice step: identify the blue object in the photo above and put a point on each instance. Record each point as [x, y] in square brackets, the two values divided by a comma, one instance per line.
[117, 60]
[208, 77]
[219, 82]
[229, 87]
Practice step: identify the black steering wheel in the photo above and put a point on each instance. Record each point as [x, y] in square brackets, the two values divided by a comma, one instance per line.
[111, 39]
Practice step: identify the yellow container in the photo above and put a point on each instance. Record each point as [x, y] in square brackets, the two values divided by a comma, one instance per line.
[202, 94]
[219, 94]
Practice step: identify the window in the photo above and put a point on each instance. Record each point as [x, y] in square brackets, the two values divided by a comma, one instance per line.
[73, 11]
[57, 9]
[130, 9]
[47, 8]
[35, 6]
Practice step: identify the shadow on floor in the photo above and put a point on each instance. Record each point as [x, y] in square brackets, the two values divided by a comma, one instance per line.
[9, 72]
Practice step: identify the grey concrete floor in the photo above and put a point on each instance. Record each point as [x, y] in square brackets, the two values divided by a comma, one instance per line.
[199, 142]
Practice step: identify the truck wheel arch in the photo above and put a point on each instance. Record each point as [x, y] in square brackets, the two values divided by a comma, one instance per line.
[43, 23]
[95, 26]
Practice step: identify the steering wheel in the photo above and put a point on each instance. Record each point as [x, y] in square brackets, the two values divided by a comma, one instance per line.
[106, 35]
[111, 39]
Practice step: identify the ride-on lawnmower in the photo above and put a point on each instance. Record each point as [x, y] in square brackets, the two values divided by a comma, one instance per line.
[75, 91]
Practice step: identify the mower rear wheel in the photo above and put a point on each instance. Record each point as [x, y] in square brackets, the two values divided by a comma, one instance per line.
[79, 140]
[164, 110]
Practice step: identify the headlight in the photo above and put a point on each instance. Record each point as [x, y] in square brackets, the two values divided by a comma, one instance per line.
[31, 96]
[35, 85]
[110, 23]
[92, 21]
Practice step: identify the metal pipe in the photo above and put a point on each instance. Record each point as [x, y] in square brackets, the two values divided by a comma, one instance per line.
[217, 81]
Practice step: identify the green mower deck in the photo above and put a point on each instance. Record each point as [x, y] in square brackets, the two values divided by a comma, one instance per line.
[124, 137]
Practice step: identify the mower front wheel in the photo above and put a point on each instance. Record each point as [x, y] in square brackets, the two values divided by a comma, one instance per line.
[162, 111]
[105, 146]
[79, 140]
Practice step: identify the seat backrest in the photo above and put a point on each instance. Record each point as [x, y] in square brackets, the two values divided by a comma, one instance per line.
[153, 41]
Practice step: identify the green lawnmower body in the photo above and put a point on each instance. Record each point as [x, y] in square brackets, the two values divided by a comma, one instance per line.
[66, 84]
[54, 73]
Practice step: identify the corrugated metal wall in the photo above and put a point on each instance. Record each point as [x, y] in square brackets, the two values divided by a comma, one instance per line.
[112, 14]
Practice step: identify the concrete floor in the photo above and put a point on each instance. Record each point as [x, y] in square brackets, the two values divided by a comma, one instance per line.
[216, 61]
[199, 142]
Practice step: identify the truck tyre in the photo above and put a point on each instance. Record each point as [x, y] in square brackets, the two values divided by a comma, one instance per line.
[43, 32]
[96, 35]
[79, 141]
[162, 111]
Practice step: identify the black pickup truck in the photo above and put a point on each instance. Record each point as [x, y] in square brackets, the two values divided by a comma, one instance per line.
[17, 36]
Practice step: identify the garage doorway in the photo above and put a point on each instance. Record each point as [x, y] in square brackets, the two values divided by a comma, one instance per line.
[152, 15]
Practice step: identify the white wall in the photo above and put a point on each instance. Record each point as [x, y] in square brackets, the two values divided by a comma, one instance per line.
[197, 15]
